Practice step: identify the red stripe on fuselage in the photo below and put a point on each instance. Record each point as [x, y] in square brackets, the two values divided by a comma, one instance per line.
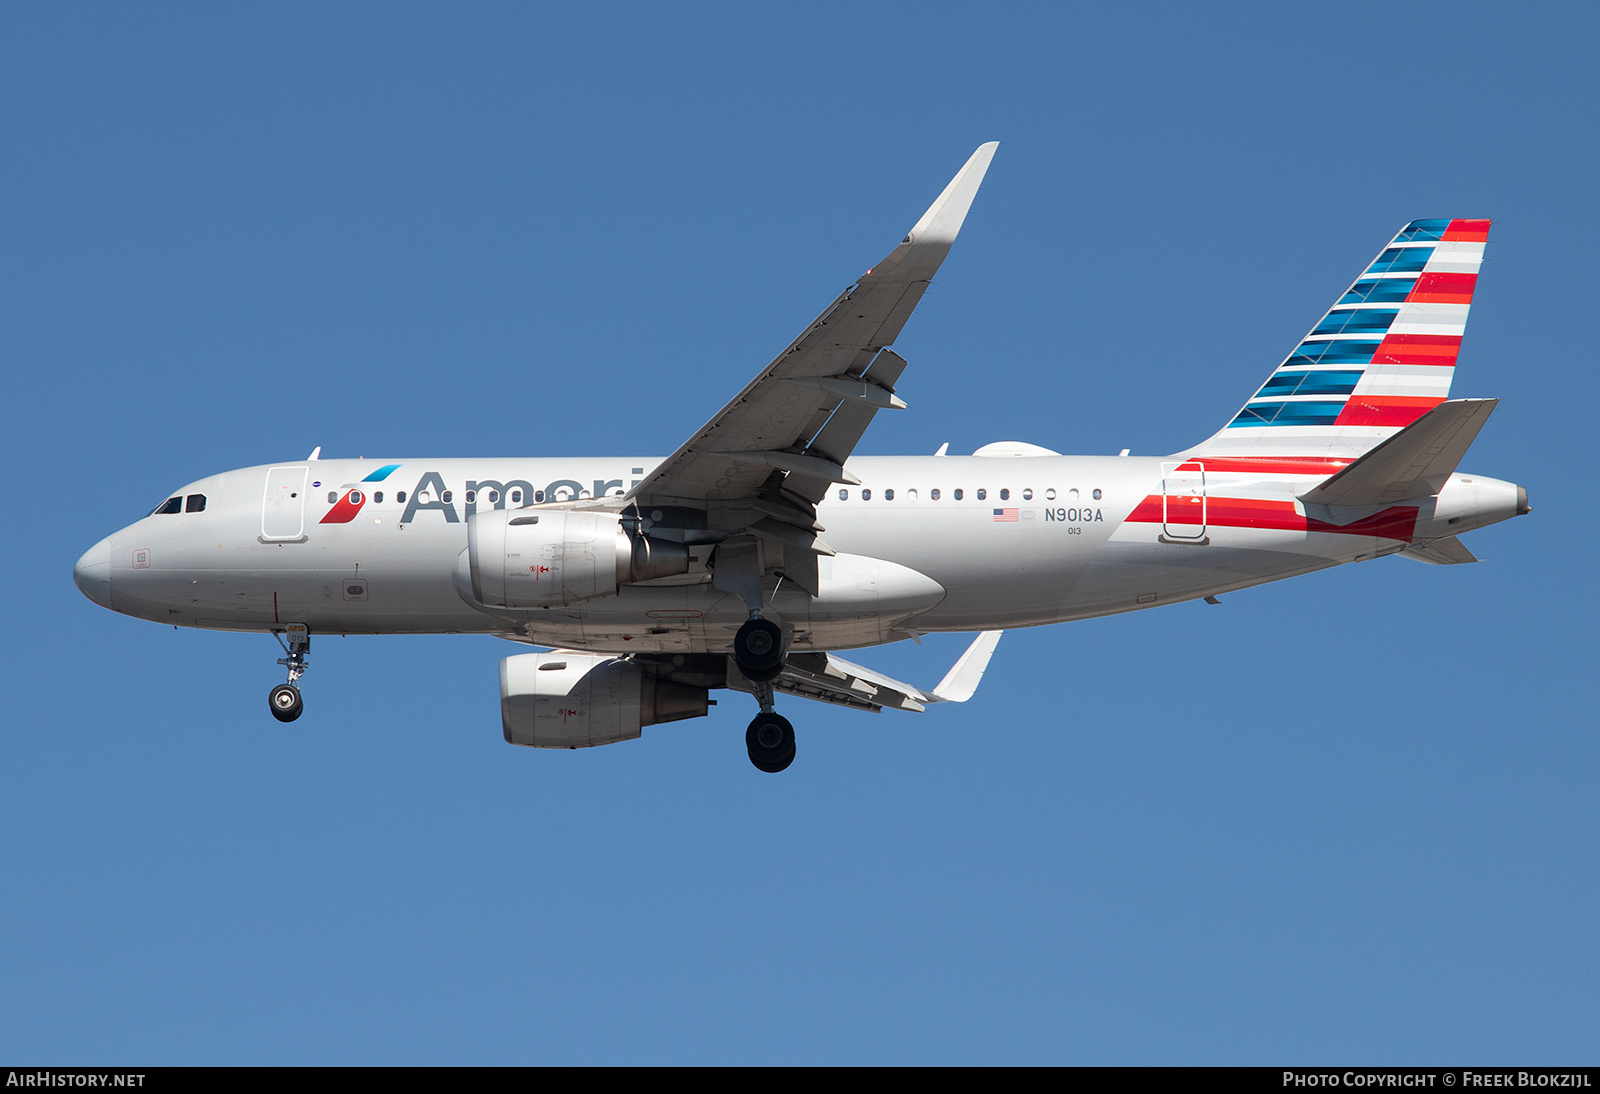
[1396, 522]
[1269, 465]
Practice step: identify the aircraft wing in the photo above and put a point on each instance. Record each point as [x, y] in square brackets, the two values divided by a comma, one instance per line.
[795, 424]
[829, 678]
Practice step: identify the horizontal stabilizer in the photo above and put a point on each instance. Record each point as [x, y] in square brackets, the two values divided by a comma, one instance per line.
[1449, 551]
[1414, 463]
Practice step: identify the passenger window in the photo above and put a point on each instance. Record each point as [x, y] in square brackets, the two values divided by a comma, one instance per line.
[355, 497]
[911, 495]
[959, 493]
[472, 496]
[516, 497]
[866, 495]
[333, 496]
[1097, 495]
[888, 495]
[538, 495]
[400, 497]
[494, 497]
[982, 493]
[445, 497]
[934, 494]
[1027, 495]
[1050, 494]
[844, 495]
[171, 505]
[378, 498]
[196, 503]
[1005, 494]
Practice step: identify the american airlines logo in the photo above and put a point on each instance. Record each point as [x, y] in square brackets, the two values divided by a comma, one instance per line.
[431, 494]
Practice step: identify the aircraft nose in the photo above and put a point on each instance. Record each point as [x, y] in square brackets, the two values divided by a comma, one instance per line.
[92, 574]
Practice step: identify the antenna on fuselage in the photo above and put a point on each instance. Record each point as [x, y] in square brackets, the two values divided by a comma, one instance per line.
[316, 453]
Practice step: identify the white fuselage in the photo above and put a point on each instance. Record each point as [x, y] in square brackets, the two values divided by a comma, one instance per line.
[1029, 540]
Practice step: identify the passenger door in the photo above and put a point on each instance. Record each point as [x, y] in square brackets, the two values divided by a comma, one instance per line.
[283, 509]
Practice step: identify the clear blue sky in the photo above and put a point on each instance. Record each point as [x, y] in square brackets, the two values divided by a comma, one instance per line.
[1348, 818]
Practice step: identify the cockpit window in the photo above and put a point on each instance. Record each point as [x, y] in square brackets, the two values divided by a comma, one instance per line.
[171, 505]
[195, 503]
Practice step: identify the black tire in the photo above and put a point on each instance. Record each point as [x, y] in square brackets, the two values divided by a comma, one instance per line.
[770, 741]
[285, 702]
[758, 649]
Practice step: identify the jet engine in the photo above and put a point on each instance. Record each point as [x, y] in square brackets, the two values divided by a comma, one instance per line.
[517, 558]
[566, 699]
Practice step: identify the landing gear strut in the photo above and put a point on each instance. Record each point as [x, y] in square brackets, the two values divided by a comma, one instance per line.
[757, 652]
[284, 700]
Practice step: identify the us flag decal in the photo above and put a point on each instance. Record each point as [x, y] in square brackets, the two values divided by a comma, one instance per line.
[1005, 516]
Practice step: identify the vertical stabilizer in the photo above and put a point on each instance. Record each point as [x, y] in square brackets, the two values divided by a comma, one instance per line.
[1382, 357]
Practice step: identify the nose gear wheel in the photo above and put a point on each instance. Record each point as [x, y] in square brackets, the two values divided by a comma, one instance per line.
[285, 702]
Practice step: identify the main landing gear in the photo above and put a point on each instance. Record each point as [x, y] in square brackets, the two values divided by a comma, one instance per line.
[284, 700]
[770, 740]
[758, 651]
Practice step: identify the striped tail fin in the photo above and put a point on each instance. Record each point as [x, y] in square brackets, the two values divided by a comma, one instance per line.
[1380, 359]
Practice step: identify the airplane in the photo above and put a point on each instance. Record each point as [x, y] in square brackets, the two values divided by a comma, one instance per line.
[747, 559]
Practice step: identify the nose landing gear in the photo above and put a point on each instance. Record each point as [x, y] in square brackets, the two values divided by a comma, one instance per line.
[284, 700]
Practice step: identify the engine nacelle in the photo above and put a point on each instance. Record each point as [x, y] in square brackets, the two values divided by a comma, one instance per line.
[565, 699]
[520, 558]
